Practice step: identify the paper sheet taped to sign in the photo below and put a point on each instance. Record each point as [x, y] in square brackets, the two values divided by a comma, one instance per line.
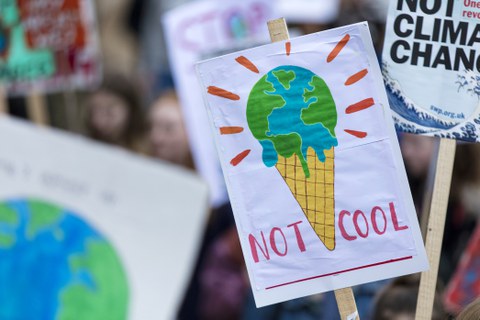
[312, 164]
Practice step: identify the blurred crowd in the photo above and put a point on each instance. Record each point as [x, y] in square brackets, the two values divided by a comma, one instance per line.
[136, 107]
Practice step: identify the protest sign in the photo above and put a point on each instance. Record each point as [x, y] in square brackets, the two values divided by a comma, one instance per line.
[92, 232]
[193, 31]
[300, 126]
[47, 45]
[431, 66]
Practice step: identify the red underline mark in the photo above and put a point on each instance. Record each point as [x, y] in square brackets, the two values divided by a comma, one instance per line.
[339, 272]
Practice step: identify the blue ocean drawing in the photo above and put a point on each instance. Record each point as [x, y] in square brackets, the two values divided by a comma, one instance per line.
[470, 82]
[411, 119]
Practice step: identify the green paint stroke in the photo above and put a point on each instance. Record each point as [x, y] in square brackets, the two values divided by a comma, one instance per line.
[6, 241]
[108, 299]
[289, 110]
[284, 77]
[44, 215]
[7, 215]
[8, 218]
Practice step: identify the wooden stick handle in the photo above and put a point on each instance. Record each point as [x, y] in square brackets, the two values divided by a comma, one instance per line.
[278, 30]
[427, 196]
[346, 304]
[36, 108]
[3, 101]
[345, 299]
[436, 225]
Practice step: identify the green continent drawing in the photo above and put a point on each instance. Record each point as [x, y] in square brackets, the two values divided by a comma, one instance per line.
[289, 110]
[54, 265]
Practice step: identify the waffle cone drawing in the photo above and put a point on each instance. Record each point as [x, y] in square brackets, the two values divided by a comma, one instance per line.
[315, 194]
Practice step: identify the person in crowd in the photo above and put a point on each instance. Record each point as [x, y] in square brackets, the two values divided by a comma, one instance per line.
[114, 116]
[463, 206]
[218, 285]
[398, 301]
[168, 137]
[153, 64]
[417, 152]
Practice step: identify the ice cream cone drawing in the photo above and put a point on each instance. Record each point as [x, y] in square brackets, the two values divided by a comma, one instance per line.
[291, 112]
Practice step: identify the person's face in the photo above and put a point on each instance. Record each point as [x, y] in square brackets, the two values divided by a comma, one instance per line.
[108, 115]
[167, 133]
[417, 153]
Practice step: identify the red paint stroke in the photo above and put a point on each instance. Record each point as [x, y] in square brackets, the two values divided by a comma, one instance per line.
[288, 47]
[338, 48]
[359, 106]
[247, 64]
[230, 130]
[342, 271]
[356, 77]
[358, 134]
[222, 93]
[238, 158]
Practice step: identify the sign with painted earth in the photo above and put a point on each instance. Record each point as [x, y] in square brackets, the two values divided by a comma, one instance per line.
[54, 265]
[312, 164]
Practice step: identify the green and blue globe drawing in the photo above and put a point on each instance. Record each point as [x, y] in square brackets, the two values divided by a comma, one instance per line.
[54, 265]
[289, 110]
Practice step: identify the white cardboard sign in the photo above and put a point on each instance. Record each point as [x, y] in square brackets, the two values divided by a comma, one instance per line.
[431, 67]
[197, 29]
[312, 164]
[91, 230]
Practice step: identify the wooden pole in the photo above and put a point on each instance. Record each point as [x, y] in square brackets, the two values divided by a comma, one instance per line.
[346, 304]
[69, 94]
[3, 100]
[436, 225]
[278, 30]
[428, 191]
[345, 299]
[36, 108]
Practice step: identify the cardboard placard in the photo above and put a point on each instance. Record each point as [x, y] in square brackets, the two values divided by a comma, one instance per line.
[200, 29]
[48, 46]
[89, 231]
[300, 127]
[431, 66]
